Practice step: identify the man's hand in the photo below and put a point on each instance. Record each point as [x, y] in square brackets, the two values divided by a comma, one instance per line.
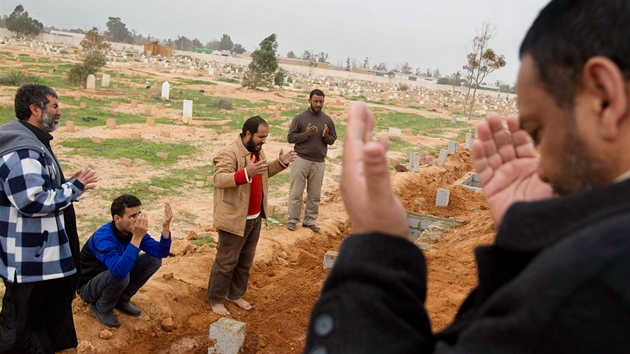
[365, 179]
[325, 132]
[87, 177]
[507, 167]
[255, 168]
[287, 158]
[311, 130]
[139, 229]
[166, 223]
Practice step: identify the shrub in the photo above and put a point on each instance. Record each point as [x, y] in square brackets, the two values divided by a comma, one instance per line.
[223, 103]
[403, 87]
[17, 78]
[79, 72]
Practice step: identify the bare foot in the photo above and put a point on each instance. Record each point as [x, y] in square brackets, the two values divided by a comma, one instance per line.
[220, 309]
[242, 304]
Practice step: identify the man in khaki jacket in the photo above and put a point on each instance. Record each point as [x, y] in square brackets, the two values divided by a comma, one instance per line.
[240, 202]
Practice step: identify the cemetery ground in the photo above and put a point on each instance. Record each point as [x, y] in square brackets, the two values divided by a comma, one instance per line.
[154, 153]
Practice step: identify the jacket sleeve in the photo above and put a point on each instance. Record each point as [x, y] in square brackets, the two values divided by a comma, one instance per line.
[28, 182]
[225, 167]
[373, 300]
[106, 248]
[154, 248]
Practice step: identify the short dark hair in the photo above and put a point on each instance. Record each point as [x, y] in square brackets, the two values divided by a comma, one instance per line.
[251, 125]
[316, 92]
[123, 202]
[567, 33]
[29, 94]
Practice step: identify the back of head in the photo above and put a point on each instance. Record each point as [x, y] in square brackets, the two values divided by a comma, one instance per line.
[123, 202]
[29, 94]
[251, 125]
[567, 33]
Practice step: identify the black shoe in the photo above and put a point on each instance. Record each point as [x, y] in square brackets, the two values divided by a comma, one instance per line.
[290, 226]
[313, 227]
[107, 319]
[128, 309]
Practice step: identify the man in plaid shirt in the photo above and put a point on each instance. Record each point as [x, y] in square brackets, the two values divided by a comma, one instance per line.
[38, 239]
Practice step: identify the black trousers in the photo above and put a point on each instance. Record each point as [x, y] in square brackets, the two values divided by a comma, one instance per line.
[37, 317]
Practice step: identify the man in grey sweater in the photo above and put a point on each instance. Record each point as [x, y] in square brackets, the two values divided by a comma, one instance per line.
[311, 131]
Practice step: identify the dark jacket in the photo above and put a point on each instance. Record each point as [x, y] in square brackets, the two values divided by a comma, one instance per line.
[557, 280]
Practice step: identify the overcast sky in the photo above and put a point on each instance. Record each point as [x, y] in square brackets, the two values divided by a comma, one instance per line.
[428, 34]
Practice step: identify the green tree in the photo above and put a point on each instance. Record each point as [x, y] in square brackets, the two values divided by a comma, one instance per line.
[94, 42]
[94, 51]
[22, 24]
[291, 55]
[196, 43]
[381, 67]
[226, 43]
[481, 61]
[366, 63]
[348, 67]
[264, 64]
[238, 49]
[183, 43]
[322, 57]
[456, 79]
[406, 68]
[117, 31]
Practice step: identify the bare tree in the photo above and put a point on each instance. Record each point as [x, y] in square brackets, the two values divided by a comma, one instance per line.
[481, 62]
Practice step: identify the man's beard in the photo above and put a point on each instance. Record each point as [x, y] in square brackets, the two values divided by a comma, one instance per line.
[251, 147]
[48, 122]
[315, 109]
[579, 169]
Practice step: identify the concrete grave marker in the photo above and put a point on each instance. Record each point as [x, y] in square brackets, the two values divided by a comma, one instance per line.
[394, 133]
[188, 108]
[468, 142]
[166, 90]
[442, 196]
[414, 162]
[452, 146]
[228, 336]
[442, 157]
[91, 82]
[453, 119]
[105, 80]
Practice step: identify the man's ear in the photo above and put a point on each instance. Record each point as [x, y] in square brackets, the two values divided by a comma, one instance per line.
[604, 82]
[35, 111]
[117, 218]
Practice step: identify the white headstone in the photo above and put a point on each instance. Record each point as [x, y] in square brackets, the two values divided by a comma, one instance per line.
[91, 82]
[453, 119]
[394, 133]
[414, 162]
[188, 108]
[105, 80]
[166, 90]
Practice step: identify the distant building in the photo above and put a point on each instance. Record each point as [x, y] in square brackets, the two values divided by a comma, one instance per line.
[67, 34]
[156, 49]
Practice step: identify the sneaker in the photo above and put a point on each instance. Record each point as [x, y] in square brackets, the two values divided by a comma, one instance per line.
[291, 226]
[313, 227]
[128, 309]
[107, 319]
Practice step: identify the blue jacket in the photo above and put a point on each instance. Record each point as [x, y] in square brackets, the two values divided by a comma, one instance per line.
[108, 249]
[33, 241]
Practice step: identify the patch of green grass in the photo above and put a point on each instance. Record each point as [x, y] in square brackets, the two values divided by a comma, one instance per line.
[127, 148]
[196, 82]
[204, 239]
[279, 180]
[88, 225]
[6, 115]
[231, 81]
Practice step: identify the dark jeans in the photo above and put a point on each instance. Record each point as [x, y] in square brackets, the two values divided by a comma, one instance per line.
[106, 290]
[37, 317]
[230, 272]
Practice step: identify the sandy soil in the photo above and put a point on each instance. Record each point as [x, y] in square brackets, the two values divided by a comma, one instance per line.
[287, 275]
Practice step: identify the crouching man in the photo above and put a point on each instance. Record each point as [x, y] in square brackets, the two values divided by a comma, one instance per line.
[112, 270]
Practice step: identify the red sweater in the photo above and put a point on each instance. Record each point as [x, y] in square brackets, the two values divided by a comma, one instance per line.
[256, 194]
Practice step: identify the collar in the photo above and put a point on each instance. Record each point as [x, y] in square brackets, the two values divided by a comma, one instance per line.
[532, 226]
[119, 235]
[41, 135]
